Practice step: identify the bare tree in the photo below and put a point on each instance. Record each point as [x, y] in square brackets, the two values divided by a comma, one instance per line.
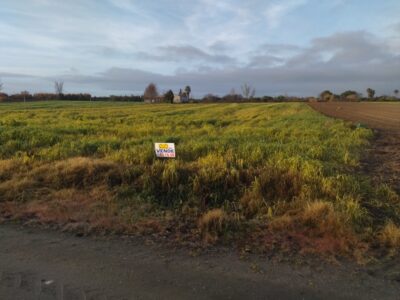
[59, 88]
[25, 94]
[253, 93]
[151, 92]
[248, 91]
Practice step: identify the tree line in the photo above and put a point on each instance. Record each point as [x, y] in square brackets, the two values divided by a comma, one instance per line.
[151, 94]
[351, 95]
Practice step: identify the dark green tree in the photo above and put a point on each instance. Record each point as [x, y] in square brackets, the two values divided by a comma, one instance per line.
[169, 97]
[370, 93]
[326, 96]
[188, 91]
[350, 96]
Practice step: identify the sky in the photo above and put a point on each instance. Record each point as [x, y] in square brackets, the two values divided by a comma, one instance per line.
[286, 47]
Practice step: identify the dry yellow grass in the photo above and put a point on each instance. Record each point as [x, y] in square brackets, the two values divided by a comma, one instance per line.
[253, 202]
[8, 168]
[314, 228]
[212, 223]
[390, 236]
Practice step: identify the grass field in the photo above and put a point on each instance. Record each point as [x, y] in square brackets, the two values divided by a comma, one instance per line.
[273, 176]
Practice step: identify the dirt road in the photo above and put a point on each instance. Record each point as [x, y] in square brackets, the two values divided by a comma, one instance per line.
[38, 264]
[382, 162]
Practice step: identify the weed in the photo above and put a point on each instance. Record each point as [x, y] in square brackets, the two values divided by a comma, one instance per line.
[390, 236]
[212, 224]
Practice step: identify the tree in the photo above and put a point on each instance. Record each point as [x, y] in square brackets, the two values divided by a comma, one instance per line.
[370, 93]
[1, 86]
[169, 96]
[350, 96]
[232, 97]
[188, 91]
[326, 96]
[396, 92]
[151, 92]
[211, 98]
[59, 88]
[248, 91]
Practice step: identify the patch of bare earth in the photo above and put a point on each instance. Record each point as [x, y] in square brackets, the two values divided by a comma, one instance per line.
[382, 161]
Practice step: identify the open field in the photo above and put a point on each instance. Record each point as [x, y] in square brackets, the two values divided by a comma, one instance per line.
[383, 160]
[272, 176]
[379, 115]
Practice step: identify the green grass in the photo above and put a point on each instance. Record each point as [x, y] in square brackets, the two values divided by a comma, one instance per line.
[94, 163]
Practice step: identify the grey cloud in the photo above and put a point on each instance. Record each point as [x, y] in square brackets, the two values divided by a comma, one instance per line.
[265, 60]
[188, 53]
[279, 48]
[219, 46]
[347, 48]
[307, 80]
[352, 47]
[396, 27]
[269, 55]
[352, 60]
[16, 75]
[357, 60]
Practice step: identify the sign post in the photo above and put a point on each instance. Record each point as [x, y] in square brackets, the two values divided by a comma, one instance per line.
[165, 150]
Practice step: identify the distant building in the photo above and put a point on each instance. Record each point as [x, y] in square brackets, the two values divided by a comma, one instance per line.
[182, 97]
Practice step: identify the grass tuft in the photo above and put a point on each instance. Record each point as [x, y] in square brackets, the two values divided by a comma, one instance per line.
[212, 224]
[390, 237]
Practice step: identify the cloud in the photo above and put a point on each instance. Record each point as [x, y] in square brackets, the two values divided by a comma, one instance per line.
[185, 53]
[276, 12]
[120, 45]
[272, 81]
[270, 55]
[265, 60]
[279, 48]
[393, 40]
[356, 60]
[341, 61]
[344, 49]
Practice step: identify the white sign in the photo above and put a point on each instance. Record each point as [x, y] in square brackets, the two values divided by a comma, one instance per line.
[166, 150]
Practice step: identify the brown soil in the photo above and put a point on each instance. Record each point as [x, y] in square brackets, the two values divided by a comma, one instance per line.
[382, 161]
